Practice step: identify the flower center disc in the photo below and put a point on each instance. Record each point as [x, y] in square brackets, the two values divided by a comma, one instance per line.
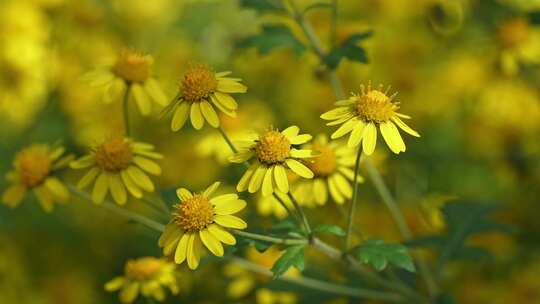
[198, 83]
[194, 214]
[326, 163]
[33, 166]
[143, 268]
[132, 66]
[272, 148]
[114, 155]
[375, 106]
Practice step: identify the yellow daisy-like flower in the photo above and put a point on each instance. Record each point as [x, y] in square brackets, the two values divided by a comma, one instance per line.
[361, 115]
[201, 91]
[275, 152]
[147, 276]
[116, 165]
[333, 173]
[131, 71]
[201, 219]
[34, 170]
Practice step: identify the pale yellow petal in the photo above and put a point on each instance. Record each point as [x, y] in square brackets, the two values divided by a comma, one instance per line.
[212, 243]
[14, 195]
[183, 194]
[244, 181]
[369, 138]
[405, 127]
[356, 135]
[392, 137]
[291, 132]
[140, 178]
[299, 168]
[226, 100]
[147, 165]
[280, 177]
[129, 292]
[100, 188]
[153, 89]
[257, 179]
[211, 189]
[221, 107]
[114, 284]
[192, 251]
[336, 113]
[141, 99]
[230, 221]
[44, 198]
[182, 249]
[229, 207]
[268, 185]
[118, 191]
[221, 234]
[88, 178]
[57, 188]
[227, 86]
[224, 198]
[345, 128]
[320, 191]
[130, 184]
[197, 120]
[83, 162]
[209, 114]
[180, 116]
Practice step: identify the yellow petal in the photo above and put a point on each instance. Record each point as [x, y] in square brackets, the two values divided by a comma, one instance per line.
[223, 199]
[226, 100]
[14, 195]
[193, 252]
[299, 168]
[392, 137]
[83, 162]
[229, 207]
[300, 139]
[213, 244]
[100, 188]
[302, 153]
[334, 192]
[405, 127]
[291, 132]
[140, 178]
[153, 89]
[44, 198]
[167, 232]
[320, 191]
[211, 189]
[183, 194]
[369, 138]
[336, 113]
[267, 185]
[345, 128]
[88, 178]
[257, 179]
[230, 221]
[221, 234]
[180, 116]
[57, 188]
[115, 91]
[221, 107]
[130, 184]
[227, 86]
[172, 242]
[118, 191]
[130, 292]
[147, 165]
[356, 135]
[141, 99]
[343, 186]
[209, 114]
[196, 117]
[115, 284]
[280, 176]
[244, 181]
[182, 249]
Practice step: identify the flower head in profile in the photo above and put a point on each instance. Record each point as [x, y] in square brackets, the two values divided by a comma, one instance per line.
[274, 153]
[130, 74]
[148, 276]
[34, 170]
[119, 165]
[202, 91]
[362, 114]
[333, 173]
[200, 218]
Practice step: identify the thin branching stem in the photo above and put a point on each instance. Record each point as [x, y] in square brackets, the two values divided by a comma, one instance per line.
[328, 287]
[269, 239]
[352, 209]
[301, 212]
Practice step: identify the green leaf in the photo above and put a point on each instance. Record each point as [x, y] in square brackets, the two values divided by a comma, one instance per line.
[273, 37]
[379, 254]
[348, 49]
[292, 257]
[330, 229]
[264, 5]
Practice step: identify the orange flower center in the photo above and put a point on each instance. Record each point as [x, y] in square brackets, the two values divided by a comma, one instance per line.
[114, 155]
[272, 147]
[199, 83]
[514, 33]
[33, 165]
[143, 268]
[375, 106]
[326, 163]
[194, 214]
[133, 66]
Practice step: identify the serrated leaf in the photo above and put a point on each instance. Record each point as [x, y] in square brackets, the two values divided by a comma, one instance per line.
[348, 49]
[263, 5]
[379, 254]
[273, 37]
[330, 229]
[292, 257]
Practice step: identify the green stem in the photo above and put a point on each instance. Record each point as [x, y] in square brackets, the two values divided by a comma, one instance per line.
[352, 210]
[269, 239]
[121, 211]
[125, 108]
[332, 288]
[300, 211]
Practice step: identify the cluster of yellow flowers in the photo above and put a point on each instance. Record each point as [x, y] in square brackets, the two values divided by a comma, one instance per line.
[281, 163]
